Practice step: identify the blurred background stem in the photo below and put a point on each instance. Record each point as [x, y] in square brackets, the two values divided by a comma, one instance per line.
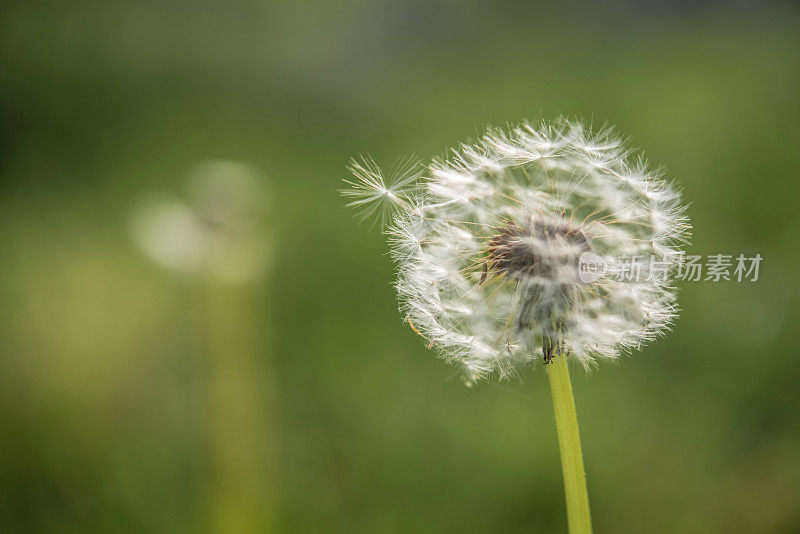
[242, 395]
[569, 444]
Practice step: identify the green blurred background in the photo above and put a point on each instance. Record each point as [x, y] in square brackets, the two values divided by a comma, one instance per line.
[109, 420]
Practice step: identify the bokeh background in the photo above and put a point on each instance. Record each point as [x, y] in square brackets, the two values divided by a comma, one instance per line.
[134, 398]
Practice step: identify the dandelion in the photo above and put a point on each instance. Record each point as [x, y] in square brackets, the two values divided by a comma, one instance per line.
[222, 234]
[489, 243]
[217, 232]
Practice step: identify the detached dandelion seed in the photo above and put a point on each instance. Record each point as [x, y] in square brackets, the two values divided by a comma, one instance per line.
[489, 243]
[376, 196]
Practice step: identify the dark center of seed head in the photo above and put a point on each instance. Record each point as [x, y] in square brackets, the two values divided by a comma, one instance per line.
[540, 248]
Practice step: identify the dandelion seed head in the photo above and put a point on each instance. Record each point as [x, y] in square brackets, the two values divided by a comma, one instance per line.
[488, 242]
[218, 232]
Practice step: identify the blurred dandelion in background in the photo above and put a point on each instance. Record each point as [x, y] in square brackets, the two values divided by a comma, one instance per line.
[220, 234]
[217, 232]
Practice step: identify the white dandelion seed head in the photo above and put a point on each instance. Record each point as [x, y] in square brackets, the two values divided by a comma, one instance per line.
[219, 232]
[488, 248]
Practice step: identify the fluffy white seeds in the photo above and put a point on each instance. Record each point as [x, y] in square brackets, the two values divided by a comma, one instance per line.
[375, 196]
[492, 245]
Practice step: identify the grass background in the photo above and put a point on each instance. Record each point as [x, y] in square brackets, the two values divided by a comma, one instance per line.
[105, 410]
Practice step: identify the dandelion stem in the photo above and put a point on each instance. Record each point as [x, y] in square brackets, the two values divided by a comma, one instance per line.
[569, 443]
[242, 493]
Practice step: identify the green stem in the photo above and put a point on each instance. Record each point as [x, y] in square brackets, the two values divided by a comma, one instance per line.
[241, 441]
[569, 444]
